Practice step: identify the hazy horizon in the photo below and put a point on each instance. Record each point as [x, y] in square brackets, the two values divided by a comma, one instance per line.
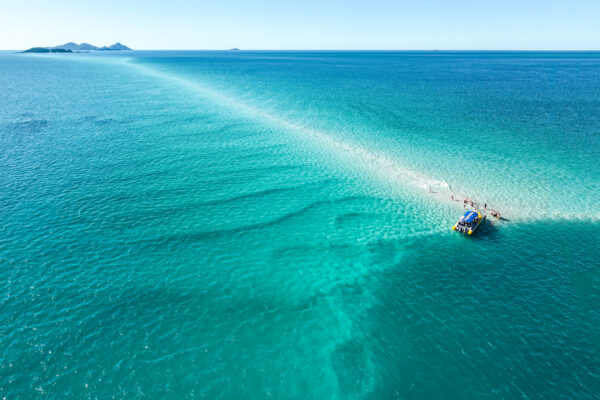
[325, 50]
[337, 25]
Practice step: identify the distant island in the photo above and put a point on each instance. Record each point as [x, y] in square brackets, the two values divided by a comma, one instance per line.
[116, 46]
[46, 50]
[74, 47]
[234, 49]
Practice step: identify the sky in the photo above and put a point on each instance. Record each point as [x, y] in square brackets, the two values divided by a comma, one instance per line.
[305, 24]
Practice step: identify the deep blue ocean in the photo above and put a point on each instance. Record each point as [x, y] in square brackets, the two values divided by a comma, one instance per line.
[256, 225]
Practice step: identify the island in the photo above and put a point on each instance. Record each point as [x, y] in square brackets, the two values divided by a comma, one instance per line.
[76, 47]
[116, 46]
[72, 47]
[46, 50]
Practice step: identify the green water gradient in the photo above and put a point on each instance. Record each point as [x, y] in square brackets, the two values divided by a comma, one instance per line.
[254, 224]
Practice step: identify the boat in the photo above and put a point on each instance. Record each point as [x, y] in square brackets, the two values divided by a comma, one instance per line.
[468, 223]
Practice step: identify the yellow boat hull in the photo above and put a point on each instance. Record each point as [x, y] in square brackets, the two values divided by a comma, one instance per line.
[472, 228]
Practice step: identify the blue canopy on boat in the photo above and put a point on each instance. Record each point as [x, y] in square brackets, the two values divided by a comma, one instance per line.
[469, 216]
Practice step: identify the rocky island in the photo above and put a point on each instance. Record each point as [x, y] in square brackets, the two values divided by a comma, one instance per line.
[46, 50]
[74, 47]
[116, 46]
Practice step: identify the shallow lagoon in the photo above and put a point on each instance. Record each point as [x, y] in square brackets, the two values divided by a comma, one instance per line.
[258, 224]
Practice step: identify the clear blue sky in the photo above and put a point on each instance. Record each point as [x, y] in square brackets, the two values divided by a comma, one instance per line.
[307, 24]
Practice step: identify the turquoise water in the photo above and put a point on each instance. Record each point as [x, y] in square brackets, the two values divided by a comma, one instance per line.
[260, 225]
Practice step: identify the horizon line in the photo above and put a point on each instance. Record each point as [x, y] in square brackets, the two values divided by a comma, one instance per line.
[308, 49]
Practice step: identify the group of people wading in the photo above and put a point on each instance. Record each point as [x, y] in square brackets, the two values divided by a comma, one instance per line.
[471, 203]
